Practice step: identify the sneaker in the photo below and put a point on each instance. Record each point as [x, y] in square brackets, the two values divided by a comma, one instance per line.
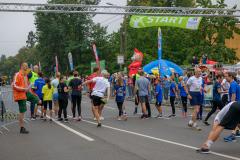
[94, 118]
[144, 118]
[190, 125]
[182, 115]
[119, 118]
[141, 116]
[196, 128]
[33, 118]
[159, 116]
[101, 118]
[237, 134]
[99, 125]
[185, 115]
[206, 122]
[172, 116]
[200, 118]
[60, 119]
[74, 119]
[203, 150]
[125, 117]
[134, 112]
[50, 120]
[42, 118]
[65, 120]
[23, 130]
[79, 118]
[230, 139]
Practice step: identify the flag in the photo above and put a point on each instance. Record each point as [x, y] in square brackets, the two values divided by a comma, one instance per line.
[96, 56]
[31, 67]
[56, 63]
[70, 60]
[39, 65]
[159, 50]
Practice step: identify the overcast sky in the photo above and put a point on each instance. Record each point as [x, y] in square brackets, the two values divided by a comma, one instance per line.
[14, 26]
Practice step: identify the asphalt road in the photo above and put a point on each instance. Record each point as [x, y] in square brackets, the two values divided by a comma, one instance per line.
[134, 139]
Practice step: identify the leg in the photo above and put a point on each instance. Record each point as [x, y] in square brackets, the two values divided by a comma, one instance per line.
[144, 108]
[172, 98]
[32, 107]
[214, 108]
[45, 108]
[56, 107]
[79, 99]
[42, 110]
[60, 108]
[95, 112]
[148, 108]
[50, 108]
[21, 119]
[195, 112]
[65, 104]
[100, 108]
[74, 99]
[136, 103]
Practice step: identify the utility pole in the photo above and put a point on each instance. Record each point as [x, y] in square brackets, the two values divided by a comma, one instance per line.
[121, 48]
[125, 42]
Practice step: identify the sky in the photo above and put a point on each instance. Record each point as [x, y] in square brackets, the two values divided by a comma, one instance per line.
[15, 26]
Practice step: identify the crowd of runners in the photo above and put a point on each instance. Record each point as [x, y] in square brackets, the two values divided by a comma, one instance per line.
[61, 90]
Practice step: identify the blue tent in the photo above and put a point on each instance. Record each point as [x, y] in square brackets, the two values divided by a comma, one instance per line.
[167, 68]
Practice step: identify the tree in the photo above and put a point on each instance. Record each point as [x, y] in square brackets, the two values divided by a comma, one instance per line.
[31, 39]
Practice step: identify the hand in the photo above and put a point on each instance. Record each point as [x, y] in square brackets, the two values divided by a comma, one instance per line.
[149, 96]
[189, 96]
[177, 97]
[26, 89]
[204, 90]
[154, 97]
[88, 95]
[107, 99]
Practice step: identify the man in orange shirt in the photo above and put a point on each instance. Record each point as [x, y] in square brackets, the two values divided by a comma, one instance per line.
[22, 93]
[90, 87]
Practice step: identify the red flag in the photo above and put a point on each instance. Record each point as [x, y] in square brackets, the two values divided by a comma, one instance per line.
[56, 63]
[96, 56]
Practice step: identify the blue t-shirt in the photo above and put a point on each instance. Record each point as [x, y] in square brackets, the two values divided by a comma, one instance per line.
[159, 95]
[204, 60]
[39, 83]
[119, 93]
[216, 95]
[171, 89]
[203, 83]
[234, 88]
[183, 92]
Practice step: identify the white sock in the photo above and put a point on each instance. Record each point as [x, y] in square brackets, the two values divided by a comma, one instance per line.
[45, 118]
[124, 111]
[50, 117]
[190, 122]
[209, 144]
[194, 124]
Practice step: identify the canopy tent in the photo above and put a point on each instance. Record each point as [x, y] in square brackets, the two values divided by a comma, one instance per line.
[167, 68]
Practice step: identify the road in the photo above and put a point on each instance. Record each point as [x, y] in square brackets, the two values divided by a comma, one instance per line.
[134, 139]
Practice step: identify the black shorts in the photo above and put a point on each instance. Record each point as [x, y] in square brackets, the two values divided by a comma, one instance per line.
[41, 103]
[143, 99]
[231, 118]
[158, 104]
[45, 105]
[96, 100]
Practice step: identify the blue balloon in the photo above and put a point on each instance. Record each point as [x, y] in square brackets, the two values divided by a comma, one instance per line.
[167, 68]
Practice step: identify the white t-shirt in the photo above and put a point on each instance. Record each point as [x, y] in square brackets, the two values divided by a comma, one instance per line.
[226, 85]
[238, 78]
[223, 112]
[100, 86]
[195, 84]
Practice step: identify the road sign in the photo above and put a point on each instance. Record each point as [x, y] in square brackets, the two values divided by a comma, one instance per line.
[120, 59]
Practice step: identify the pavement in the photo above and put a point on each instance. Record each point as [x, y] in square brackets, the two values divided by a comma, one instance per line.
[134, 139]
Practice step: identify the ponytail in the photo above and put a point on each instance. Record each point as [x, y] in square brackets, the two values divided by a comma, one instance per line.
[173, 79]
[48, 83]
[182, 82]
[57, 75]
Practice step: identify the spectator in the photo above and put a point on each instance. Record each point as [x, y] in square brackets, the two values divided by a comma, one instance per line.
[194, 61]
[176, 78]
[238, 76]
[185, 77]
[204, 59]
[130, 85]
[112, 79]
[166, 84]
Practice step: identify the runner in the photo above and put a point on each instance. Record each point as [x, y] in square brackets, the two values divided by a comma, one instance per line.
[22, 93]
[55, 83]
[47, 92]
[227, 118]
[32, 76]
[199, 115]
[121, 75]
[173, 94]
[158, 97]
[183, 96]
[119, 90]
[38, 85]
[234, 95]
[76, 95]
[70, 91]
[217, 103]
[62, 98]
[195, 85]
[90, 87]
[143, 87]
[97, 93]
[225, 86]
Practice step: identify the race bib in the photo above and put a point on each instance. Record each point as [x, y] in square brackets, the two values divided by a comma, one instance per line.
[94, 93]
[197, 88]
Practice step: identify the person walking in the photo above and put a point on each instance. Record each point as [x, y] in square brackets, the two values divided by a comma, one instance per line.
[158, 97]
[76, 95]
[217, 103]
[62, 98]
[195, 86]
[47, 92]
[183, 96]
[119, 90]
[135, 77]
[173, 95]
[22, 93]
[55, 83]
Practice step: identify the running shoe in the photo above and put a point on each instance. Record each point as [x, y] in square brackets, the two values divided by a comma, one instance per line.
[203, 150]
[196, 128]
[94, 118]
[144, 118]
[182, 115]
[185, 115]
[99, 125]
[159, 116]
[74, 119]
[134, 112]
[50, 120]
[200, 118]
[60, 119]
[237, 134]
[172, 116]
[101, 118]
[230, 139]
[119, 118]
[206, 122]
[79, 118]
[141, 116]
[65, 120]
[125, 117]
[33, 118]
[190, 125]
[41, 118]
[44, 120]
[23, 130]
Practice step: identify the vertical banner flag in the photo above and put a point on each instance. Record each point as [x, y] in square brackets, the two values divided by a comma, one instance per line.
[70, 60]
[159, 50]
[96, 56]
[56, 63]
[31, 67]
[39, 65]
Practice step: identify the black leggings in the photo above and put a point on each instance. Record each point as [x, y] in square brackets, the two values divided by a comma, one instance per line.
[225, 99]
[172, 98]
[63, 103]
[216, 104]
[77, 99]
[184, 103]
[119, 104]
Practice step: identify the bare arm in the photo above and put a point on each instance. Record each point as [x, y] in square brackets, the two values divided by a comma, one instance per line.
[149, 90]
[108, 93]
[89, 81]
[135, 90]
[175, 92]
[219, 91]
[66, 89]
[186, 88]
[233, 97]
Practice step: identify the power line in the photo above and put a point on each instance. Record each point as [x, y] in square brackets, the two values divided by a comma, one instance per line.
[109, 19]
[112, 21]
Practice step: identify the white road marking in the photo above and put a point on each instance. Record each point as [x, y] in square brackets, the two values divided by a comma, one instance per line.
[109, 107]
[84, 102]
[166, 141]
